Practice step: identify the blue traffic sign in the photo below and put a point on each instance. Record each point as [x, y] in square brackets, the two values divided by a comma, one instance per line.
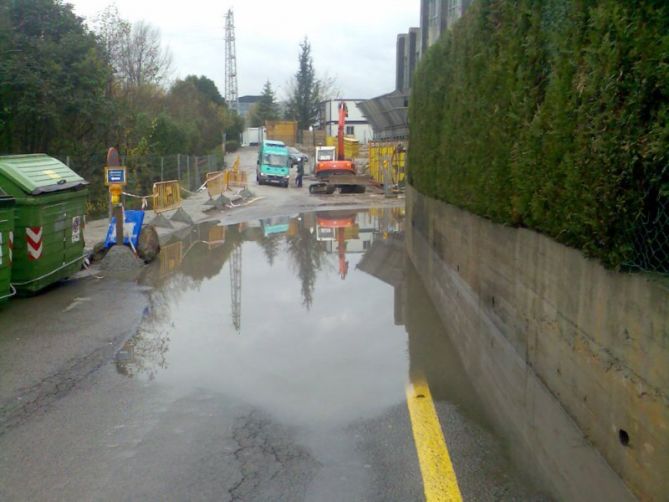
[132, 226]
[115, 175]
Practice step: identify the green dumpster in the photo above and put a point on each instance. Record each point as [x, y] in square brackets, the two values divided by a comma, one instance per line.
[48, 221]
[6, 244]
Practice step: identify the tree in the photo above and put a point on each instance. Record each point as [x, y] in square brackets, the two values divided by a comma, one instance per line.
[233, 124]
[197, 112]
[52, 80]
[308, 258]
[168, 136]
[266, 108]
[113, 33]
[305, 94]
[207, 88]
[271, 246]
[143, 59]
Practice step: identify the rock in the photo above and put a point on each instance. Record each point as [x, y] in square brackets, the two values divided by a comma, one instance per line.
[148, 245]
[121, 260]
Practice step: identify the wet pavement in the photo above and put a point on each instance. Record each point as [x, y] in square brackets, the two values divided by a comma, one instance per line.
[266, 360]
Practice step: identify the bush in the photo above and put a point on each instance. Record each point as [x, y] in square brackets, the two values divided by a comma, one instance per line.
[552, 115]
[231, 146]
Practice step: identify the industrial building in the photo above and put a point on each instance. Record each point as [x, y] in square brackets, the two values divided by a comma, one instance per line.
[408, 54]
[245, 104]
[388, 114]
[356, 124]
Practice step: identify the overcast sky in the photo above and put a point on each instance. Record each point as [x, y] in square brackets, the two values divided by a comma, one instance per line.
[352, 40]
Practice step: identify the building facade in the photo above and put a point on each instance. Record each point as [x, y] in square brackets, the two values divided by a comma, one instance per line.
[436, 16]
[388, 113]
[245, 104]
[356, 123]
[407, 54]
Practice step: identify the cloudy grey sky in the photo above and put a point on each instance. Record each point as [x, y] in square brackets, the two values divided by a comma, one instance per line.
[352, 40]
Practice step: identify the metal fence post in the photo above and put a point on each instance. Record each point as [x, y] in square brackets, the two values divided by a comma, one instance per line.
[197, 173]
[179, 166]
[162, 168]
[188, 172]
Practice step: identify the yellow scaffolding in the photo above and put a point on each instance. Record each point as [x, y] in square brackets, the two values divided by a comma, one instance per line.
[387, 161]
[351, 146]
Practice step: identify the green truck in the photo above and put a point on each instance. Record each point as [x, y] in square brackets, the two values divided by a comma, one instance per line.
[273, 164]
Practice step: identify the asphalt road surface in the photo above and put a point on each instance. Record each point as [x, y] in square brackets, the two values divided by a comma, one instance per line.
[284, 350]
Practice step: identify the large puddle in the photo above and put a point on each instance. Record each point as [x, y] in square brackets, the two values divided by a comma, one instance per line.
[281, 313]
[319, 320]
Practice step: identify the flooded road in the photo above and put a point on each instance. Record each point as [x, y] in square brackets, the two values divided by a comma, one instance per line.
[271, 362]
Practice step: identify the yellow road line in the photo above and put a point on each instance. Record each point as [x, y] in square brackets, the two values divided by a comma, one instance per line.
[439, 480]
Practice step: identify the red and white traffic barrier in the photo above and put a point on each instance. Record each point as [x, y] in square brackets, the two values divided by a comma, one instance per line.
[34, 242]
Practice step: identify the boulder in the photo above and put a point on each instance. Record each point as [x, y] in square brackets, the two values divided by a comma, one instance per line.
[148, 245]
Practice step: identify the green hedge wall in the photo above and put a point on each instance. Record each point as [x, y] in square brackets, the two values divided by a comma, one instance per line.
[554, 115]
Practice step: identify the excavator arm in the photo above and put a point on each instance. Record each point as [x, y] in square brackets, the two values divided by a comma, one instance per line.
[343, 113]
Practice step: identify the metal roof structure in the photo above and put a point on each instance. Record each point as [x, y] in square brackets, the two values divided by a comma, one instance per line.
[388, 115]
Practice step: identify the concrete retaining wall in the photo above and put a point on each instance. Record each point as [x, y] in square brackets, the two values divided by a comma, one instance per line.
[596, 342]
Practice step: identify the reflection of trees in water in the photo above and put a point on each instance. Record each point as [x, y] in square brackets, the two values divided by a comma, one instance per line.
[201, 262]
[308, 256]
[145, 353]
[270, 245]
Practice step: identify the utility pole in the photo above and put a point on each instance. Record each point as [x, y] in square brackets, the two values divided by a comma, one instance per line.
[231, 97]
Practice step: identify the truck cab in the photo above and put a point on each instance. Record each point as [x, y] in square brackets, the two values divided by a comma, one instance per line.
[273, 164]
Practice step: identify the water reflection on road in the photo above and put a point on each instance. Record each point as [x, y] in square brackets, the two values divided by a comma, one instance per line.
[279, 312]
[319, 320]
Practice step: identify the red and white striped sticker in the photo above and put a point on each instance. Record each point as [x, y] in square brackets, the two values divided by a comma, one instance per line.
[9, 240]
[34, 242]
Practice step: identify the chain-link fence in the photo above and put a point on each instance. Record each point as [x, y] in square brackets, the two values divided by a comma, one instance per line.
[143, 172]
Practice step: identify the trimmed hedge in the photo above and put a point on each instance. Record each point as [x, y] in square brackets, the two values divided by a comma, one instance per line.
[554, 115]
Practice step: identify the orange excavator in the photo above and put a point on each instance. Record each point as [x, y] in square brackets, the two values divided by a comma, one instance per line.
[338, 222]
[341, 165]
[339, 173]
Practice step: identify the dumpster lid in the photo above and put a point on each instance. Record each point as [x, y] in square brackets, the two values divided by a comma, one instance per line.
[38, 173]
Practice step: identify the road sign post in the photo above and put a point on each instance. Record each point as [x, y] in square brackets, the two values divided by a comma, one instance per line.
[116, 179]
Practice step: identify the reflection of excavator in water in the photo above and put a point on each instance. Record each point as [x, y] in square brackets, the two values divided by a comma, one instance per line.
[335, 226]
[339, 173]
